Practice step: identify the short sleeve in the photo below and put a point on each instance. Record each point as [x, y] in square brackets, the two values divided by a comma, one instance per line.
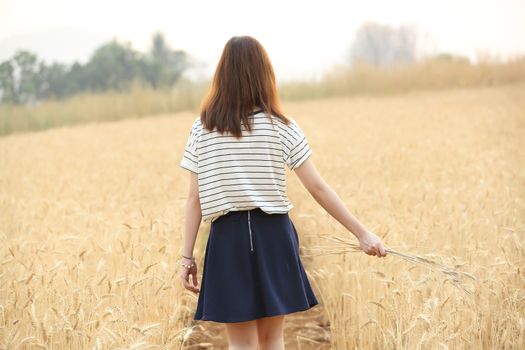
[190, 158]
[299, 149]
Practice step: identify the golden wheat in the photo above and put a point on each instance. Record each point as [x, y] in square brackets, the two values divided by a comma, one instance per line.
[344, 245]
[91, 223]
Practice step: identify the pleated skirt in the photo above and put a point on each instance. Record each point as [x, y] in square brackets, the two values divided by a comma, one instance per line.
[252, 269]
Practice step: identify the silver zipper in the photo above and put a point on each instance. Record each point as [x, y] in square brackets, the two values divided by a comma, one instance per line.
[250, 229]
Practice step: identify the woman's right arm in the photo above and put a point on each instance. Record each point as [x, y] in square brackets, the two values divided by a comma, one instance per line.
[330, 201]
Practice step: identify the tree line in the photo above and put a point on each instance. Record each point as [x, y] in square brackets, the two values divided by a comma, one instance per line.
[115, 66]
[24, 78]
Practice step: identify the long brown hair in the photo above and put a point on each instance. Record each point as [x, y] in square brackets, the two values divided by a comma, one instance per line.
[244, 79]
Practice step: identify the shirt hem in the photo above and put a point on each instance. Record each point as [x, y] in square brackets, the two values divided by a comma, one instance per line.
[210, 219]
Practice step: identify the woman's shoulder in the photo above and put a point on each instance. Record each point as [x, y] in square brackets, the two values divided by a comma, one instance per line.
[283, 125]
[196, 126]
[196, 129]
[197, 123]
[291, 128]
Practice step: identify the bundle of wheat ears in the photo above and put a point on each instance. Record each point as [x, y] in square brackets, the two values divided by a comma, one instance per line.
[451, 273]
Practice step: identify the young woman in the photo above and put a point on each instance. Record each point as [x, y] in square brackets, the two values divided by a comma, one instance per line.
[236, 153]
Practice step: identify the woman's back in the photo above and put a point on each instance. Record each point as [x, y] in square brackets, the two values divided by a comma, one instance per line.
[246, 173]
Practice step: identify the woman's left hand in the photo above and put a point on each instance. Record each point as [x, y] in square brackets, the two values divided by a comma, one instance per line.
[371, 244]
[186, 273]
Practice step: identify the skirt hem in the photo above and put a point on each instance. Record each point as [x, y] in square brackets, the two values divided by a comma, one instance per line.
[252, 318]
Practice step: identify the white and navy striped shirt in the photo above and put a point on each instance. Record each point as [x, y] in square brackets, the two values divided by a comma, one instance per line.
[241, 174]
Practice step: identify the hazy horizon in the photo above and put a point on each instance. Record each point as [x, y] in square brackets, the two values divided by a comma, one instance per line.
[302, 39]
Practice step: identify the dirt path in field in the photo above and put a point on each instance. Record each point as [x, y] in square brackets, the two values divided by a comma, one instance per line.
[302, 330]
[306, 330]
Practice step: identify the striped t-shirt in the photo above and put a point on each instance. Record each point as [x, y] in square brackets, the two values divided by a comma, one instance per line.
[246, 173]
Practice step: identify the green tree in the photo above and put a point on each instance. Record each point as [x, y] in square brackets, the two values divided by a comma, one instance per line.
[53, 81]
[20, 78]
[164, 65]
[27, 68]
[112, 66]
[7, 83]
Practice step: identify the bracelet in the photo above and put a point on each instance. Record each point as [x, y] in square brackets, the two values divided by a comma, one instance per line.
[192, 258]
[188, 266]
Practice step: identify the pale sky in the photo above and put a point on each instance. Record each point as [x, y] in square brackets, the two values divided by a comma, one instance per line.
[303, 38]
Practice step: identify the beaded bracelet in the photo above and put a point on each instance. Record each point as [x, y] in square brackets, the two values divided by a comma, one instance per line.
[188, 266]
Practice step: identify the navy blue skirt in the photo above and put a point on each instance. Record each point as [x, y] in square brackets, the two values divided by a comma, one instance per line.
[252, 269]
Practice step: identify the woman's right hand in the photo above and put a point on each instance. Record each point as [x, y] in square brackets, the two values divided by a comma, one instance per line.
[371, 244]
[186, 273]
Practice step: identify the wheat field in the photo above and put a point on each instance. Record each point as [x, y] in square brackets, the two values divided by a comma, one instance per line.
[91, 223]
